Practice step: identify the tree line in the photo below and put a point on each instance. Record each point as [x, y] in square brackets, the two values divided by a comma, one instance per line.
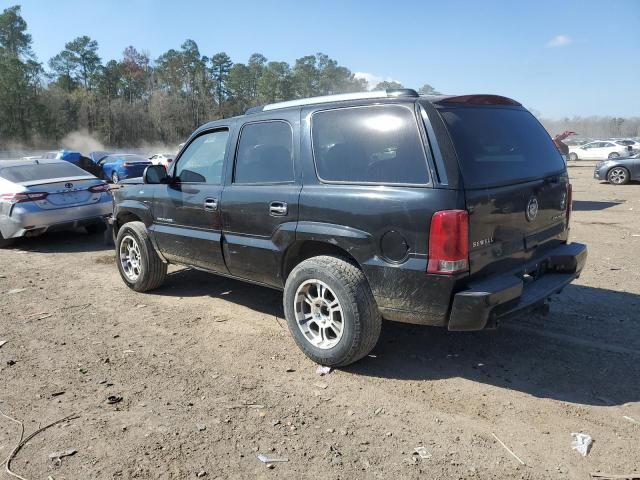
[137, 99]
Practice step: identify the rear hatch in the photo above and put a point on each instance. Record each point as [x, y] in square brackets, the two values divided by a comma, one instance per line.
[515, 182]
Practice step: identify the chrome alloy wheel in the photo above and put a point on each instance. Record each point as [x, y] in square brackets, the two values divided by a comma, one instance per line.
[130, 258]
[319, 314]
[618, 176]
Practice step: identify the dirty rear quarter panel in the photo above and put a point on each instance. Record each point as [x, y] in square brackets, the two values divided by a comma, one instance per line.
[400, 285]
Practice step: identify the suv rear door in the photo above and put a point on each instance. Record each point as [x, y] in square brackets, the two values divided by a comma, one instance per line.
[187, 221]
[260, 202]
[515, 181]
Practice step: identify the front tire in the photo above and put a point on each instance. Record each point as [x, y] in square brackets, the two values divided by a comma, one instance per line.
[618, 176]
[330, 311]
[139, 265]
[573, 156]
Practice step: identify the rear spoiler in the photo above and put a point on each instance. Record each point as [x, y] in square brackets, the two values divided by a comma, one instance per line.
[479, 100]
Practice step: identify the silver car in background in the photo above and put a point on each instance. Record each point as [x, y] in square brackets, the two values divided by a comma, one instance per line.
[41, 195]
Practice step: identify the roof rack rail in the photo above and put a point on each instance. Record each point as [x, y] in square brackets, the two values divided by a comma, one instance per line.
[390, 93]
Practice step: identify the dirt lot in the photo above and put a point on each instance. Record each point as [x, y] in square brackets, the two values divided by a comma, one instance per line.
[210, 377]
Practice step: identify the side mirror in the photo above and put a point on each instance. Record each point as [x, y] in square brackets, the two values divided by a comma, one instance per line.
[154, 174]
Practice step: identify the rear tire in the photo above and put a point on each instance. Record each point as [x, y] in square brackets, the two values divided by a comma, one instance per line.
[330, 291]
[573, 156]
[613, 156]
[5, 242]
[618, 176]
[139, 265]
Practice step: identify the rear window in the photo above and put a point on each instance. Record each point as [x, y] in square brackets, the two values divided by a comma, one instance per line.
[377, 144]
[497, 145]
[41, 171]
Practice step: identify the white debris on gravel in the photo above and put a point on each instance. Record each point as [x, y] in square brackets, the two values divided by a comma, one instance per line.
[581, 443]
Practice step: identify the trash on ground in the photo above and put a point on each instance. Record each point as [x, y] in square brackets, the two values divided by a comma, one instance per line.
[270, 459]
[507, 448]
[2, 342]
[113, 399]
[201, 427]
[630, 419]
[290, 370]
[322, 370]
[320, 385]
[15, 290]
[11, 362]
[57, 394]
[422, 452]
[581, 443]
[610, 476]
[201, 473]
[58, 456]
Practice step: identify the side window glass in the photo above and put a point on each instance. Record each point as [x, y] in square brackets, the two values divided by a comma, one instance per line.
[265, 153]
[203, 159]
[377, 144]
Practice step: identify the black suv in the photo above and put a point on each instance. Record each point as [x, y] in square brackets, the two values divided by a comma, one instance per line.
[450, 211]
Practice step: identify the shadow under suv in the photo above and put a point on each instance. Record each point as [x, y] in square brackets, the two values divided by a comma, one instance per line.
[448, 211]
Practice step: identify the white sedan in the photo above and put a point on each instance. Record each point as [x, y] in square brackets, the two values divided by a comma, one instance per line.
[164, 159]
[598, 150]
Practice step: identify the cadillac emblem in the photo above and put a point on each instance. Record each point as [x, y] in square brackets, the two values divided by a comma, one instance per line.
[532, 209]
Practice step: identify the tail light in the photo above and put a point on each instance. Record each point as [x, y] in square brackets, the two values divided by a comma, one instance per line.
[569, 202]
[103, 187]
[449, 242]
[169, 160]
[23, 197]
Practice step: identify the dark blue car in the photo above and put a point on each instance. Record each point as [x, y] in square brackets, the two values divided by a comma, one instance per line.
[118, 166]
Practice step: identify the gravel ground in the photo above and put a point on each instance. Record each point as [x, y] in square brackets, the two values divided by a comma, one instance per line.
[210, 378]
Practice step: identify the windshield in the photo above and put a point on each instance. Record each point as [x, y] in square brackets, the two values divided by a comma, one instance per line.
[41, 171]
[497, 145]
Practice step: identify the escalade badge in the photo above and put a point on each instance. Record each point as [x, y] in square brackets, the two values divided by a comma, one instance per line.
[532, 209]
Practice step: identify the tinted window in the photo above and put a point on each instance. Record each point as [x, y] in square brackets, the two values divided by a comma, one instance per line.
[203, 159]
[264, 153]
[500, 145]
[42, 171]
[378, 144]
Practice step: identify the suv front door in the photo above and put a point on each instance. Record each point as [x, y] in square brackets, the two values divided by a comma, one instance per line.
[260, 201]
[187, 220]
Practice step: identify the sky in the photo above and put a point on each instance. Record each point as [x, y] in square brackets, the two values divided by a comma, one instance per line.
[559, 58]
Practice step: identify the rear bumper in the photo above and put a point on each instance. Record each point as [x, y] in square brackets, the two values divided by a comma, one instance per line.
[486, 301]
[27, 219]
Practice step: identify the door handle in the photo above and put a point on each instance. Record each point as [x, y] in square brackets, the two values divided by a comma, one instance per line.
[211, 204]
[278, 209]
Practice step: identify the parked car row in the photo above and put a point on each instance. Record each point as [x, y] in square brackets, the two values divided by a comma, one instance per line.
[109, 166]
[604, 149]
